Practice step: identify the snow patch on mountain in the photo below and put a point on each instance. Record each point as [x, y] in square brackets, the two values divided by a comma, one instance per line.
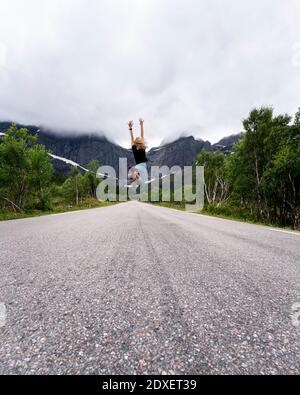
[68, 162]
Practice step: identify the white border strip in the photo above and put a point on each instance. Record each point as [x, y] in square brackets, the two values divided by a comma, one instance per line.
[284, 231]
[293, 233]
[2, 315]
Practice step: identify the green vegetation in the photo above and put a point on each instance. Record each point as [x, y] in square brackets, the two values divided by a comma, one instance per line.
[30, 187]
[175, 205]
[57, 209]
[260, 181]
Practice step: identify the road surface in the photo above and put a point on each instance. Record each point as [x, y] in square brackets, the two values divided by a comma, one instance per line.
[138, 289]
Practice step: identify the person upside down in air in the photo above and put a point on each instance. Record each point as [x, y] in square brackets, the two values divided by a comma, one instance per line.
[139, 173]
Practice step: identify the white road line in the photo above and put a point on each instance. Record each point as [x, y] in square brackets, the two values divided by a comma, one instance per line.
[232, 220]
[284, 231]
[296, 315]
[289, 232]
[2, 315]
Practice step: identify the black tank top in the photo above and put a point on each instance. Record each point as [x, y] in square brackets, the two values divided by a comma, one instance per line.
[139, 155]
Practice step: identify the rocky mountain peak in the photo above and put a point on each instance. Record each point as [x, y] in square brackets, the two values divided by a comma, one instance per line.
[84, 148]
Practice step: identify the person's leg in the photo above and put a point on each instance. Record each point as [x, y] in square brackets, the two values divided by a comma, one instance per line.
[133, 177]
[136, 179]
[134, 174]
[143, 173]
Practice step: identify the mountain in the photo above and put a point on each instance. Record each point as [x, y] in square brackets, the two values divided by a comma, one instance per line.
[226, 144]
[182, 152]
[82, 149]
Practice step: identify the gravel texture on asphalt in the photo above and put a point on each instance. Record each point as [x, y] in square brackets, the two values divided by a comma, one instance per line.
[138, 289]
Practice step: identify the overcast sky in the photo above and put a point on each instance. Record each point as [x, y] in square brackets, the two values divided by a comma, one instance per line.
[189, 66]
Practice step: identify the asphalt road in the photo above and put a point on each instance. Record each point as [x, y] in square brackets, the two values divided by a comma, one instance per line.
[137, 289]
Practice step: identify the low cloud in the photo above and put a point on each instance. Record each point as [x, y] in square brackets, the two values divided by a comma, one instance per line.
[190, 65]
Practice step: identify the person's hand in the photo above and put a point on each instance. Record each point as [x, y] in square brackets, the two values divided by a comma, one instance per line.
[141, 121]
[130, 124]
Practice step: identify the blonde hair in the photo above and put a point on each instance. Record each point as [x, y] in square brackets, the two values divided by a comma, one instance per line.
[140, 144]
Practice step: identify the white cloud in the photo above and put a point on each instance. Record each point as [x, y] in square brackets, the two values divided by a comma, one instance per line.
[181, 64]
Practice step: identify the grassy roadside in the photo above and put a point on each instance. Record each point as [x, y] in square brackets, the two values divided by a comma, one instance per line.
[232, 217]
[91, 204]
[177, 206]
[86, 205]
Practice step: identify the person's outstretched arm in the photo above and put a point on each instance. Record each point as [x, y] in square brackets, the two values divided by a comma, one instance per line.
[130, 124]
[142, 128]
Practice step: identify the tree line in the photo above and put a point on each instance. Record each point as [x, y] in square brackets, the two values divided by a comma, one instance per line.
[29, 182]
[260, 180]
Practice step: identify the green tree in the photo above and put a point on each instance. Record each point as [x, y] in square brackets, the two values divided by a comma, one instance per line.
[282, 181]
[15, 166]
[75, 177]
[91, 177]
[262, 140]
[216, 184]
[76, 187]
[41, 174]
[261, 179]
[297, 117]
